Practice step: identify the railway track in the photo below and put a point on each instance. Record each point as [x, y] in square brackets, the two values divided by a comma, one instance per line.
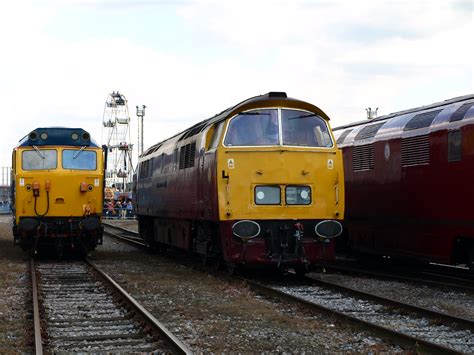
[79, 308]
[404, 324]
[124, 234]
[433, 275]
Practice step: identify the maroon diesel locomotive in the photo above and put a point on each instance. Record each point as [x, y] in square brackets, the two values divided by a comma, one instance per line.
[409, 180]
[259, 184]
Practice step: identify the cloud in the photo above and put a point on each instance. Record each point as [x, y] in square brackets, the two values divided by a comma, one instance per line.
[341, 56]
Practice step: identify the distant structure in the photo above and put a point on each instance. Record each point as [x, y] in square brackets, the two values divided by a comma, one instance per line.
[116, 136]
[5, 190]
[140, 115]
[6, 175]
[371, 114]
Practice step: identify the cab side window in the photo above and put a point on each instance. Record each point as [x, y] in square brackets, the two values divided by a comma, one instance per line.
[216, 135]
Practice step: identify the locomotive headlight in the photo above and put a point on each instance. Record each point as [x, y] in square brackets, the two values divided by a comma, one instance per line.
[246, 229]
[298, 195]
[267, 195]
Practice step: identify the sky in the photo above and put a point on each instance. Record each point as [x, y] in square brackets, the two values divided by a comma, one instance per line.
[187, 60]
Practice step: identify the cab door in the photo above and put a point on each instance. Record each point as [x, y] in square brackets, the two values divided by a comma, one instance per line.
[207, 186]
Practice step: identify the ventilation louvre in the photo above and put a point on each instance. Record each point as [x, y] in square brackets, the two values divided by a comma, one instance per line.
[415, 150]
[368, 131]
[146, 168]
[187, 154]
[459, 114]
[363, 157]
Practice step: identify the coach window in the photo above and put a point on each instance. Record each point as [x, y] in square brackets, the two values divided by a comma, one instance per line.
[306, 129]
[39, 159]
[79, 159]
[253, 128]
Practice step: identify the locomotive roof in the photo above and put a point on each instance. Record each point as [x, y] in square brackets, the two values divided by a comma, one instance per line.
[410, 122]
[269, 99]
[49, 136]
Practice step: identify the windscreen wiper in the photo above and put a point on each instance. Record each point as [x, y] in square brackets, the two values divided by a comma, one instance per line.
[39, 152]
[304, 116]
[254, 113]
[78, 152]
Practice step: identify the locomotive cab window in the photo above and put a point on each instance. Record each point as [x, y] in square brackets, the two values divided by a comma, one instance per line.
[270, 127]
[79, 159]
[39, 159]
[253, 128]
[302, 128]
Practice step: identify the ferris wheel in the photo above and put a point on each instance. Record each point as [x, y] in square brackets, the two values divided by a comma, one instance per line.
[116, 136]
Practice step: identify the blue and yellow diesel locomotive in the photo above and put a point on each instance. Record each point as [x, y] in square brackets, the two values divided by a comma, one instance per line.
[58, 190]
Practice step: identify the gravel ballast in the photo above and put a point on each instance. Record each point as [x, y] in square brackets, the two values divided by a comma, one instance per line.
[15, 299]
[212, 315]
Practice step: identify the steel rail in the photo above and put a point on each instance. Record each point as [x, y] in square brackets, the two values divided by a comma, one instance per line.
[136, 243]
[36, 313]
[151, 320]
[398, 337]
[120, 228]
[130, 240]
[448, 318]
[386, 333]
[392, 276]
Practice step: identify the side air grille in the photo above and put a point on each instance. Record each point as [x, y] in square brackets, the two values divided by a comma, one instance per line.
[416, 150]
[343, 136]
[421, 120]
[363, 157]
[187, 154]
[368, 131]
[459, 114]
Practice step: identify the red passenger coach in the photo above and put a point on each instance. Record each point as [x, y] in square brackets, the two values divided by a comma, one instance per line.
[409, 183]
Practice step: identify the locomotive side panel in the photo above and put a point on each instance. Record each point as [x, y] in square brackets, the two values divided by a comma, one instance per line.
[409, 201]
